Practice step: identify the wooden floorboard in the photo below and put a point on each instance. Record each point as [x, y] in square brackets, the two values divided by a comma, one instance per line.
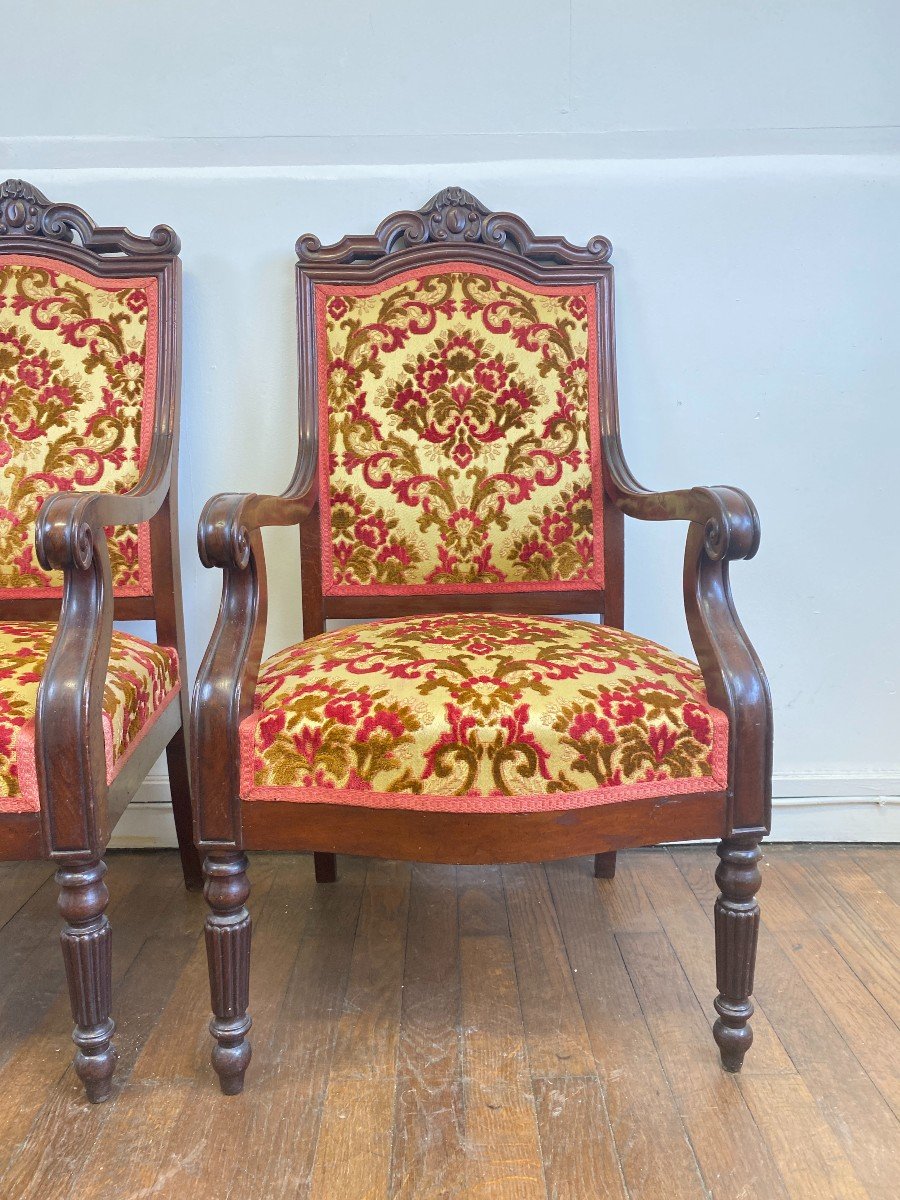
[445, 1033]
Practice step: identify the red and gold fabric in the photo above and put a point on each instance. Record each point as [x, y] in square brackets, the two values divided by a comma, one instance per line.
[77, 394]
[459, 439]
[480, 713]
[142, 679]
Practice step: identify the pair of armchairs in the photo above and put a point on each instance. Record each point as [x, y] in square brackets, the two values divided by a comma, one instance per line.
[460, 482]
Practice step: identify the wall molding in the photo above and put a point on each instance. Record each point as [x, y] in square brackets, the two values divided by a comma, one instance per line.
[354, 150]
[806, 808]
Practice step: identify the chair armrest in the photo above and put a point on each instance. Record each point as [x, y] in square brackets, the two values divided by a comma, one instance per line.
[229, 536]
[70, 523]
[723, 526]
[729, 516]
[70, 535]
[227, 520]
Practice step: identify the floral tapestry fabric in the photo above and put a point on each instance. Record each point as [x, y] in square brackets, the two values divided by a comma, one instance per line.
[480, 713]
[77, 391]
[141, 680]
[459, 435]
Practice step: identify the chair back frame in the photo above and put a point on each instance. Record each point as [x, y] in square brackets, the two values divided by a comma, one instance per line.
[75, 824]
[452, 227]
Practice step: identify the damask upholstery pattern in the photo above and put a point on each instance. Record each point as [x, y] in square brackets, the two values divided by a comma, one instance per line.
[141, 680]
[480, 713]
[459, 442]
[77, 393]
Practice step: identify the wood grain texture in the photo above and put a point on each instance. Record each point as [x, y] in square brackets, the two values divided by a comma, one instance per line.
[844, 1093]
[429, 1153]
[653, 1148]
[353, 1156]
[501, 1128]
[404, 1017]
[730, 1152]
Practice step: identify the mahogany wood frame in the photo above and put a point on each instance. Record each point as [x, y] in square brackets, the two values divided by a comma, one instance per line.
[78, 809]
[722, 526]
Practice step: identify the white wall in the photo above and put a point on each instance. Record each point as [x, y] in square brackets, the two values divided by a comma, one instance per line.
[744, 161]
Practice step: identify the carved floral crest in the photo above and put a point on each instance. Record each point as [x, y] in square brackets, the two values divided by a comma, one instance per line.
[454, 216]
[26, 212]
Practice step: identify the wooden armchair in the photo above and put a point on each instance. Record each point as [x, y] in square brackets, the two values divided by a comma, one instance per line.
[461, 480]
[89, 394]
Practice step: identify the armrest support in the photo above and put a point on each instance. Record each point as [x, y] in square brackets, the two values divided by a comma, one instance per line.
[229, 537]
[723, 525]
[70, 536]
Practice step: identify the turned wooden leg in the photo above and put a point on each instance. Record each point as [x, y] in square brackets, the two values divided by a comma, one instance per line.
[326, 868]
[87, 952]
[228, 953]
[605, 865]
[737, 928]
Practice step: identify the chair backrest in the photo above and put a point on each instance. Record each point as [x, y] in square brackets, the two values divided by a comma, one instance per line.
[455, 372]
[89, 375]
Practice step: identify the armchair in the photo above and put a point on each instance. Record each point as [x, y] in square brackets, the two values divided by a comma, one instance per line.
[461, 484]
[89, 397]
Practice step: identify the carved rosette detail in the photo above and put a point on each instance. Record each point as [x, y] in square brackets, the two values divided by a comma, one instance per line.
[454, 216]
[26, 212]
[737, 931]
[228, 936]
[86, 940]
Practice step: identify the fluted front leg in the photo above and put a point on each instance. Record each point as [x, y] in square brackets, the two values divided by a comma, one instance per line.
[737, 929]
[228, 930]
[87, 952]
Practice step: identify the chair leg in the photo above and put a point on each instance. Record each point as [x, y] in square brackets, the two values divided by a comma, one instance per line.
[605, 865]
[228, 930]
[87, 953]
[179, 785]
[737, 929]
[326, 868]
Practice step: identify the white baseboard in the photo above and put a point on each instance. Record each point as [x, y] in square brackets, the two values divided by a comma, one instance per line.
[806, 808]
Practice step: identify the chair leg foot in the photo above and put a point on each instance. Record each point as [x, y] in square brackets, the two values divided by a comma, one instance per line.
[326, 868]
[228, 931]
[86, 941]
[737, 931]
[605, 865]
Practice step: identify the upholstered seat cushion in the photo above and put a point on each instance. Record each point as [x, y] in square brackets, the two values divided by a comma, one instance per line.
[141, 680]
[480, 713]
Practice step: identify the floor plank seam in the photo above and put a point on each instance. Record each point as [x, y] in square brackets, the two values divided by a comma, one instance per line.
[687, 1134]
[597, 1074]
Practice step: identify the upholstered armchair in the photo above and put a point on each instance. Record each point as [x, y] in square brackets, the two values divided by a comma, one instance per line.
[461, 484]
[89, 392]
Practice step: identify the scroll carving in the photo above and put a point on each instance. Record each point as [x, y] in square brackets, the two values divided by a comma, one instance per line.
[26, 212]
[453, 216]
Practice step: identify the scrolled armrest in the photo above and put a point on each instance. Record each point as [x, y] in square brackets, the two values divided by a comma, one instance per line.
[70, 523]
[724, 526]
[729, 516]
[228, 520]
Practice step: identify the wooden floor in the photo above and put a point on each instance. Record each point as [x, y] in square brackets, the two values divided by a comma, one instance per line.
[439, 1032]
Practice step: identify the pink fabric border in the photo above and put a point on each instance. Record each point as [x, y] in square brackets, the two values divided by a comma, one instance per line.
[29, 799]
[554, 802]
[144, 586]
[329, 587]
